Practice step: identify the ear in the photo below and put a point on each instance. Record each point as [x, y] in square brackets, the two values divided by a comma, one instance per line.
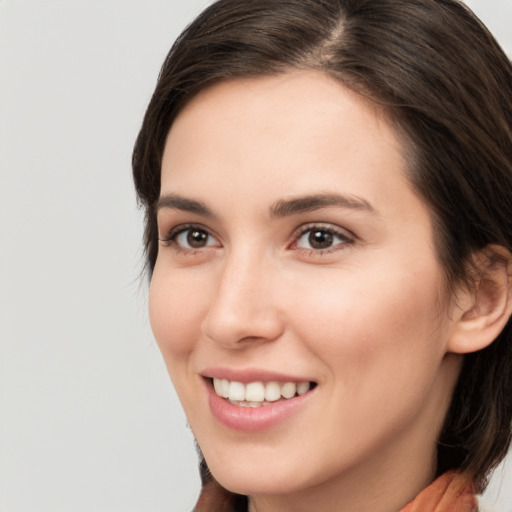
[481, 311]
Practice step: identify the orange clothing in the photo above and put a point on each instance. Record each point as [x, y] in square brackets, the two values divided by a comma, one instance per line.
[451, 492]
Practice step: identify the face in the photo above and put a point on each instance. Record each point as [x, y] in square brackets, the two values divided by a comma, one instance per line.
[296, 277]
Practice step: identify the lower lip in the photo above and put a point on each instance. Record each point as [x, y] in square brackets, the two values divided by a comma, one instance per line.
[254, 419]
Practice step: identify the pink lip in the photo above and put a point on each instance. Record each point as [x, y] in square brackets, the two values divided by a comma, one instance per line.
[248, 419]
[251, 375]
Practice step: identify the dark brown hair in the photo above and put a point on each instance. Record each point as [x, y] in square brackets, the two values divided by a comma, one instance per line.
[445, 84]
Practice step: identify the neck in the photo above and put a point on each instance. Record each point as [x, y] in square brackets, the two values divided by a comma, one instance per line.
[385, 491]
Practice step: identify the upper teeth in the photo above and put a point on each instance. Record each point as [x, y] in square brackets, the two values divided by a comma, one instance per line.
[258, 391]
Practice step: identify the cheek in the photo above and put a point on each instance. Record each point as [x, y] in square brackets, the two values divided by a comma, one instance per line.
[380, 347]
[384, 321]
[175, 313]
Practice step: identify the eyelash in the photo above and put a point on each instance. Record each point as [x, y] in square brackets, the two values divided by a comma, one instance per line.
[346, 238]
[171, 239]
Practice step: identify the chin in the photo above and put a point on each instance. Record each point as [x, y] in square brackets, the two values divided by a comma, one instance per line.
[254, 475]
[254, 482]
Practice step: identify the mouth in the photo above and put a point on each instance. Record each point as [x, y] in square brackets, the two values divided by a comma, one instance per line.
[259, 394]
[252, 400]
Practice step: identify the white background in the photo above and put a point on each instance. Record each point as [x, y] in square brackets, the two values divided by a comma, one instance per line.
[88, 419]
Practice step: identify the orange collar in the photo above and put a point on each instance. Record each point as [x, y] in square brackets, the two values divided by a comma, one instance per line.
[451, 492]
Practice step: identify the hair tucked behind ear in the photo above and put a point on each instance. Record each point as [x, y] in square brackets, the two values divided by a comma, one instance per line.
[445, 84]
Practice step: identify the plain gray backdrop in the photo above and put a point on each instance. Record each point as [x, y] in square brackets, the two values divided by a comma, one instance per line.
[88, 419]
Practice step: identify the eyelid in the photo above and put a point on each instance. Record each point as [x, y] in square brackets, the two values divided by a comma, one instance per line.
[347, 236]
[175, 231]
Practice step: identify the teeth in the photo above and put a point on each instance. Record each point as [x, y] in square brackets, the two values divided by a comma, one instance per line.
[302, 387]
[236, 391]
[256, 394]
[221, 387]
[272, 391]
[244, 403]
[289, 389]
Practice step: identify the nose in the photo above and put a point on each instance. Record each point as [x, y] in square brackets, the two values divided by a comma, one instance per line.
[243, 307]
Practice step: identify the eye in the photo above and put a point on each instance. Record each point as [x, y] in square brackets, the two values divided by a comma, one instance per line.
[190, 238]
[194, 238]
[321, 239]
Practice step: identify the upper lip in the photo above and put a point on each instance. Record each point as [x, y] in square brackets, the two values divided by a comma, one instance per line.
[246, 375]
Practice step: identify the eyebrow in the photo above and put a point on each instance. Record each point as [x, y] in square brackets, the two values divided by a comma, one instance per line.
[281, 208]
[176, 202]
[305, 204]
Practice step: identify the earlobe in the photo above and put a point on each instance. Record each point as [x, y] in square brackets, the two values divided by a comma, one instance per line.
[482, 310]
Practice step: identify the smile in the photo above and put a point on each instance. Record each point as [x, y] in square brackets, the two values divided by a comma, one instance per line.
[258, 394]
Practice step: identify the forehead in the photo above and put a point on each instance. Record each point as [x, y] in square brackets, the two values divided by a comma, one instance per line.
[298, 132]
[280, 98]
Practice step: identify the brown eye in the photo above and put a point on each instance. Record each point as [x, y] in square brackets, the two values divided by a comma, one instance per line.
[320, 239]
[193, 238]
[197, 238]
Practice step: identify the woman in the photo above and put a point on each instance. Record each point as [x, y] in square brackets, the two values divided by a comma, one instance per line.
[327, 192]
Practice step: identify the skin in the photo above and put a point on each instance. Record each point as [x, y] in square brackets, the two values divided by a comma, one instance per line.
[368, 318]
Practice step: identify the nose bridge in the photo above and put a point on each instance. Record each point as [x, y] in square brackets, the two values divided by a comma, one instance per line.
[242, 307]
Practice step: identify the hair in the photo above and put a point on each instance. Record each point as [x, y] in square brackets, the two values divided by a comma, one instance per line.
[444, 83]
